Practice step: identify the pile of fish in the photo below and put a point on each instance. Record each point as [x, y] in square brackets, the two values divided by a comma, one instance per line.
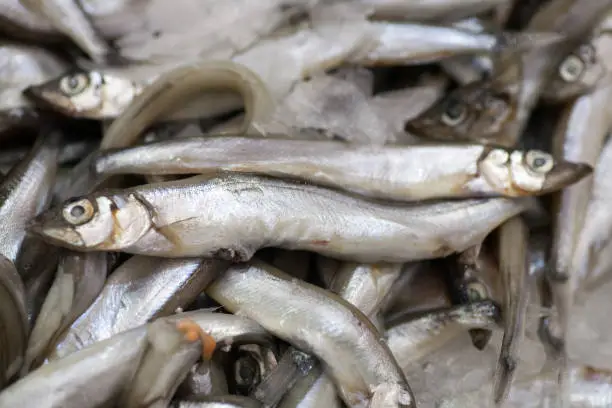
[305, 203]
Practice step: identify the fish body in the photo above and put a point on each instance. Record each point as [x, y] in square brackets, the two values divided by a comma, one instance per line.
[246, 213]
[430, 10]
[360, 380]
[393, 172]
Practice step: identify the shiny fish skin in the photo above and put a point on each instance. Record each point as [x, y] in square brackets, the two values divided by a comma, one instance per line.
[78, 281]
[360, 381]
[513, 241]
[430, 9]
[24, 192]
[358, 230]
[312, 391]
[13, 320]
[68, 18]
[140, 290]
[402, 173]
[416, 338]
[229, 401]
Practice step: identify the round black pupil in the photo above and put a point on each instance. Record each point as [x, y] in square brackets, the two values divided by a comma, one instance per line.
[454, 110]
[77, 211]
[539, 162]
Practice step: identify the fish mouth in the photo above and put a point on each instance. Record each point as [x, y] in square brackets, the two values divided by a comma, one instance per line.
[55, 235]
[48, 99]
[565, 174]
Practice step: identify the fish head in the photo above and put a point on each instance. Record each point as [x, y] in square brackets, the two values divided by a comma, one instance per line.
[80, 94]
[577, 74]
[475, 112]
[94, 222]
[522, 173]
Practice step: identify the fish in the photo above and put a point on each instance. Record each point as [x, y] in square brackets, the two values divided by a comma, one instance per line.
[78, 281]
[68, 18]
[593, 238]
[513, 253]
[570, 205]
[577, 74]
[185, 83]
[166, 362]
[316, 389]
[110, 364]
[391, 172]
[414, 338]
[138, 291]
[25, 192]
[13, 319]
[228, 401]
[361, 381]
[146, 220]
[474, 277]
[70, 152]
[431, 10]
[482, 112]
[205, 378]
[37, 266]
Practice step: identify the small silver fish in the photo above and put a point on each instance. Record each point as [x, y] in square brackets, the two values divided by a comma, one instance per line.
[152, 220]
[392, 172]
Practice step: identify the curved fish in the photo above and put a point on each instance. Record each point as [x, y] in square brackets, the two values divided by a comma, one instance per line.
[360, 364]
[140, 290]
[246, 213]
[392, 172]
[186, 83]
[25, 191]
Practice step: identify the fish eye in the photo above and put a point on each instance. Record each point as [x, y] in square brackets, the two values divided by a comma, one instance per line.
[498, 157]
[74, 84]
[454, 113]
[78, 212]
[476, 291]
[539, 162]
[571, 69]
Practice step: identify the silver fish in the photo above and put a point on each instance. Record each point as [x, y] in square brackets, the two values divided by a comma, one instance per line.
[37, 265]
[69, 152]
[430, 10]
[513, 241]
[316, 390]
[393, 172]
[13, 319]
[169, 356]
[416, 338]
[140, 290]
[78, 281]
[356, 229]
[361, 381]
[68, 18]
[229, 401]
[24, 192]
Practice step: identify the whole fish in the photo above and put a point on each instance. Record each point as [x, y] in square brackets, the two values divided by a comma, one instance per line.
[393, 172]
[417, 337]
[246, 213]
[140, 290]
[25, 191]
[68, 18]
[13, 319]
[78, 281]
[348, 353]
[574, 142]
[513, 248]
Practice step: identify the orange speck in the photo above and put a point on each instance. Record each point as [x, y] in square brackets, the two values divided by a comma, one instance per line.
[194, 332]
